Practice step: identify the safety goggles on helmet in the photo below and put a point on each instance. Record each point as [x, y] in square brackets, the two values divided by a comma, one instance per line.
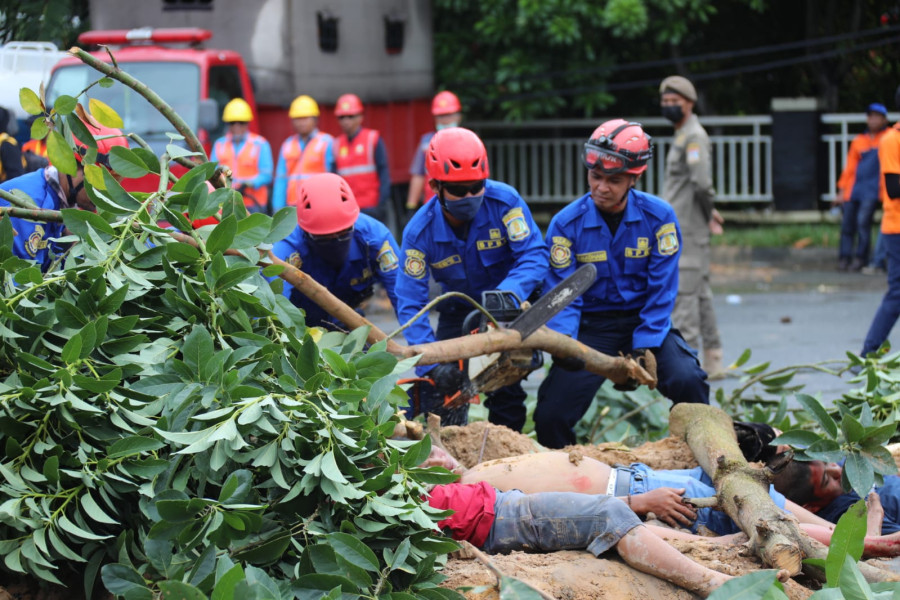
[604, 153]
[344, 235]
[101, 158]
[463, 189]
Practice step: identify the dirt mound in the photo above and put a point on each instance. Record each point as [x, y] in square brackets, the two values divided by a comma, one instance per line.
[481, 441]
[668, 453]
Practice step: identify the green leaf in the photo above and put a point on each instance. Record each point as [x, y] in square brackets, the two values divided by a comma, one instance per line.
[852, 429]
[268, 551]
[30, 101]
[39, 129]
[77, 221]
[852, 584]
[859, 473]
[222, 235]
[94, 511]
[234, 276]
[798, 438]
[225, 584]
[252, 230]
[197, 348]
[416, 454]
[127, 163]
[106, 82]
[64, 105]
[175, 151]
[133, 445]
[755, 370]
[354, 551]
[178, 590]
[847, 540]
[50, 469]
[283, 223]
[71, 352]
[122, 580]
[72, 529]
[516, 589]
[60, 154]
[818, 413]
[825, 450]
[741, 360]
[104, 114]
[753, 586]
[69, 315]
[181, 252]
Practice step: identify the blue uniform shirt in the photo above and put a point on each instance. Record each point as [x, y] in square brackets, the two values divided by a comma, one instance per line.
[503, 250]
[418, 162]
[373, 257]
[890, 500]
[32, 238]
[637, 269]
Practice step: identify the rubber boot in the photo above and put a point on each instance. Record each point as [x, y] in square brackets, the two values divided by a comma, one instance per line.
[712, 364]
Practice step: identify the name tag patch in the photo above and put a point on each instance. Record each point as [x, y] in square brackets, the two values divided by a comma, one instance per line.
[454, 259]
[591, 257]
[642, 250]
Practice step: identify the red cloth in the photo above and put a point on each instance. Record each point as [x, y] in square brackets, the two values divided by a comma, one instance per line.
[473, 504]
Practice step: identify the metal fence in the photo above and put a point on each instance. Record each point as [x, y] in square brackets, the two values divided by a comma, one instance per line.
[542, 159]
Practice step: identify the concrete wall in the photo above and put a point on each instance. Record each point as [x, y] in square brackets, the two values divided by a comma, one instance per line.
[279, 42]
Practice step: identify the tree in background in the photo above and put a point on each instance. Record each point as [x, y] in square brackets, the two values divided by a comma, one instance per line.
[522, 59]
[59, 21]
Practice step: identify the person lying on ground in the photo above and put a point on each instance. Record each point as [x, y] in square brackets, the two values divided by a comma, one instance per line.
[816, 486]
[646, 491]
[500, 522]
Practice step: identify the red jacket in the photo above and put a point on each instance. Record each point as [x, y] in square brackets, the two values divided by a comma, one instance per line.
[473, 504]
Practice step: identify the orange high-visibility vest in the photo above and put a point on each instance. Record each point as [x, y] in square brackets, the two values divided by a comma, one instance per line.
[355, 162]
[889, 157]
[301, 163]
[245, 165]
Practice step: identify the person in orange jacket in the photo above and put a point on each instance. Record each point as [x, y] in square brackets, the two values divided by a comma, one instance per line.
[859, 187]
[361, 158]
[306, 153]
[247, 154]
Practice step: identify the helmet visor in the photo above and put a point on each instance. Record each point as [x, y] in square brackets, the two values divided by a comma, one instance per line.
[606, 159]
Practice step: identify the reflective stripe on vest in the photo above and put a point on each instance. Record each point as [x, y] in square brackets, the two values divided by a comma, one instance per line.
[355, 162]
[244, 166]
[301, 163]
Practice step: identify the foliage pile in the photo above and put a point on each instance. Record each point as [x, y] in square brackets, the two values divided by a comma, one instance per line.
[170, 425]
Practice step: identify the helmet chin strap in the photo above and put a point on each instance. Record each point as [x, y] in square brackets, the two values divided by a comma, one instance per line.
[72, 194]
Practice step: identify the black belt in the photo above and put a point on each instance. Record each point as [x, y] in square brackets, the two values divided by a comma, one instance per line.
[611, 314]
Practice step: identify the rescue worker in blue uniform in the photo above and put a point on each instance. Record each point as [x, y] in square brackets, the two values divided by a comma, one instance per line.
[53, 190]
[634, 240]
[345, 251]
[476, 234]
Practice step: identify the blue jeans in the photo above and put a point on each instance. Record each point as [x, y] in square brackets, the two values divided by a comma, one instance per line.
[552, 521]
[857, 223]
[889, 310]
[564, 396]
[879, 260]
[697, 484]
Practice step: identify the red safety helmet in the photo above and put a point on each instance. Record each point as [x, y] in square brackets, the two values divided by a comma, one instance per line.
[348, 105]
[456, 154]
[111, 137]
[618, 146]
[445, 103]
[326, 204]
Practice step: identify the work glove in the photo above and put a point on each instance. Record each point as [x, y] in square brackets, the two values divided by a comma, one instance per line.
[568, 363]
[449, 378]
[644, 357]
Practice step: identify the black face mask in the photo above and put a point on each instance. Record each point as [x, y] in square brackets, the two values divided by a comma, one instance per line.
[673, 113]
[332, 251]
[72, 195]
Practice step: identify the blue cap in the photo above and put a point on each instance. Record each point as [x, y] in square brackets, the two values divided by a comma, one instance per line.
[877, 107]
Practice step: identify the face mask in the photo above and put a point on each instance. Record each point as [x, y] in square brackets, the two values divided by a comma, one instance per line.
[333, 252]
[440, 126]
[72, 195]
[673, 113]
[464, 209]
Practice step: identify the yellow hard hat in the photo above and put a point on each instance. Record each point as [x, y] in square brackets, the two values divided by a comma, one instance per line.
[237, 111]
[303, 106]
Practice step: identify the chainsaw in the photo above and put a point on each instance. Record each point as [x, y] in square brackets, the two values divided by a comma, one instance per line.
[493, 371]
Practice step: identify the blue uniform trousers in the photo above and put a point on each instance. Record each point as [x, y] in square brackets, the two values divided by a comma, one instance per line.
[564, 396]
[889, 310]
[857, 223]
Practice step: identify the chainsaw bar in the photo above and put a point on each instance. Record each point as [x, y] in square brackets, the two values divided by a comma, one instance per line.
[549, 305]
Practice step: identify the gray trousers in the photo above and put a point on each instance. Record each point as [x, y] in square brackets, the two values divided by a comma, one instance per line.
[694, 316]
[551, 521]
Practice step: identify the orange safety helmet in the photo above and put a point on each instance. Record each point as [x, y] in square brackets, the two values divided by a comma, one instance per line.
[348, 105]
[456, 154]
[445, 103]
[111, 137]
[618, 146]
[325, 204]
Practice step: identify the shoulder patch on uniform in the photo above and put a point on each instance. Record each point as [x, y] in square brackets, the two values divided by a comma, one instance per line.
[387, 259]
[295, 260]
[667, 239]
[516, 227]
[36, 241]
[414, 265]
[560, 252]
[693, 153]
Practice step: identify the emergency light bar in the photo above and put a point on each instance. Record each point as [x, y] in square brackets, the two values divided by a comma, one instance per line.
[171, 35]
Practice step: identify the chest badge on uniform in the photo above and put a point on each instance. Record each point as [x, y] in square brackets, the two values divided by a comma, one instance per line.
[516, 227]
[387, 259]
[344, 151]
[642, 250]
[414, 265]
[36, 241]
[667, 239]
[295, 260]
[560, 252]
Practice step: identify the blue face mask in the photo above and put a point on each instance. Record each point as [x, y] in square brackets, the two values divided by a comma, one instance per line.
[332, 251]
[464, 209]
[440, 126]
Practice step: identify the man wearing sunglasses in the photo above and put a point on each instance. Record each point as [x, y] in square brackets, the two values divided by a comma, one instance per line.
[361, 158]
[340, 248]
[634, 240]
[53, 190]
[475, 234]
